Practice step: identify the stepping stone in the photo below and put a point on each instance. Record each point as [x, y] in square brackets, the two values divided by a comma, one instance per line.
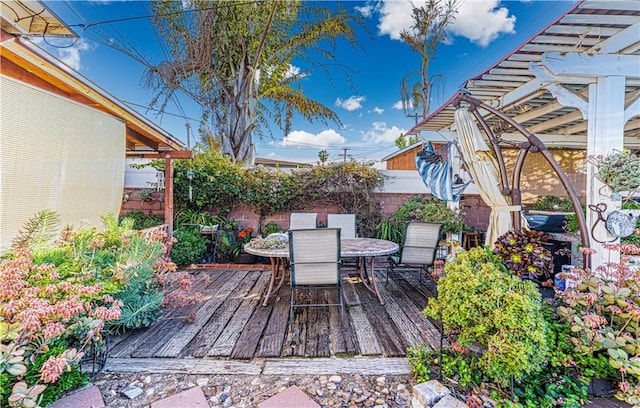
[292, 397]
[192, 398]
[85, 398]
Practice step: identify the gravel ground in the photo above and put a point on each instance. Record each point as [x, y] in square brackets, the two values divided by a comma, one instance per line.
[248, 391]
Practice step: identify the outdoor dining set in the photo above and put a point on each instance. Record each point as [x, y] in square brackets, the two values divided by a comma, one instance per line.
[315, 258]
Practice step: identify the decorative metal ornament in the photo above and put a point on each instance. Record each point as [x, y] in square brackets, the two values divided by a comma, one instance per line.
[621, 223]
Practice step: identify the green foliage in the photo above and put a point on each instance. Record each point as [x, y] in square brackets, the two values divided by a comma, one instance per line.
[619, 170]
[552, 203]
[189, 246]
[429, 209]
[69, 380]
[219, 185]
[483, 305]
[142, 220]
[270, 228]
[603, 313]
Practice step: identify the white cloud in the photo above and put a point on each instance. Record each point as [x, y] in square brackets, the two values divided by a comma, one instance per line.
[71, 55]
[366, 11]
[398, 105]
[377, 110]
[480, 21]
[395, 16]
[325, 138]
[293, 71]
[380, 133]
[352, 103]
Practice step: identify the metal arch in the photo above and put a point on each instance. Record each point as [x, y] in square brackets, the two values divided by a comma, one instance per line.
[534, 145]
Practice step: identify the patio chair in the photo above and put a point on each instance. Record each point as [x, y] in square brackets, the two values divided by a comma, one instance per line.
[346, 223]
[314, 256]
[418, 249]
[302, 220]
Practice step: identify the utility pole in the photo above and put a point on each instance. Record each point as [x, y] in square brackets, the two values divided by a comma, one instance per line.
[415, 117]
[344, 155]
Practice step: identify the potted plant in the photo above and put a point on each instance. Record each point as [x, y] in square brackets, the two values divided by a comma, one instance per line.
[619, 170]
[243, 236]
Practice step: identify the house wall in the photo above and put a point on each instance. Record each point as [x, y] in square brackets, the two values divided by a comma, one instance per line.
[404, 161]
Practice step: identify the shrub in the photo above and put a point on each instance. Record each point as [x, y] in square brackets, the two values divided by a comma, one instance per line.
[552, 203]
[189, 245]
[142, 220]
[429, 209]
[480, 304]
[604, 314]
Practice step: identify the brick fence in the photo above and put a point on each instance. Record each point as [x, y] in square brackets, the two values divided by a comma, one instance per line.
[476, 213]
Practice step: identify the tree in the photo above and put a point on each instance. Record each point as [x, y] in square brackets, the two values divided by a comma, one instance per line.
[429, 29]
[323, 155]
[232, 57]
[402, 141]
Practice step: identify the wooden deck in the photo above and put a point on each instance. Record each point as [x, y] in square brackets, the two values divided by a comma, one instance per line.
[232, 324]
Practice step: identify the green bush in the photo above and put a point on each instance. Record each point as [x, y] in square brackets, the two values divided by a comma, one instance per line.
[552, 203]
[189, 246]
[142, 220]
[428, 209]
[483, 305]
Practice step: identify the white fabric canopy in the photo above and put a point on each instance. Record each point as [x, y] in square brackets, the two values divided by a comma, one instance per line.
[484, 170]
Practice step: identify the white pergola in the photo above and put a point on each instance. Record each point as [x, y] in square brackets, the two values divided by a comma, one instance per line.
[575, 84]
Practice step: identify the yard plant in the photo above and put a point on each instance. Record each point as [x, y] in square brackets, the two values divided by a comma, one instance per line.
[59, 292]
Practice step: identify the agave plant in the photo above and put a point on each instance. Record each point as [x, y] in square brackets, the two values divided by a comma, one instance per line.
[523, 254]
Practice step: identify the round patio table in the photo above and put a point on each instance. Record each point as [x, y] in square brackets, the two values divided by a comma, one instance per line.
[361, 248]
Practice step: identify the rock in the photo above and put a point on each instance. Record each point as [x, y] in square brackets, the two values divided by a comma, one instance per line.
[256, 381]
[149, 392]
[335, 379]
[401, 387]
[202, 382]
[131, 392]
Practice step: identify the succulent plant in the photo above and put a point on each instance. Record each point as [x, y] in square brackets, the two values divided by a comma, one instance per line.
[523, 254]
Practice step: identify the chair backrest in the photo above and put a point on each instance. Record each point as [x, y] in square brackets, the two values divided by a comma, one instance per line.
[346, 223]
[314, 256]
[420, 242]
[302, 220]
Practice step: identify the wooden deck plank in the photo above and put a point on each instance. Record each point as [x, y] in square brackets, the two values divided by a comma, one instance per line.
[139, 338]
[429, 332]
[218, 320]
[186, 333]
[223, 346]
[276, 330]
[401, 317]
[351, 297]
[341, 333]
[386, 332]
[328, 366]
[249, 338]
[181, 366]
[367, 340]
[318, 335]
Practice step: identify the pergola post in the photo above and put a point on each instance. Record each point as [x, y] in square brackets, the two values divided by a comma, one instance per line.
[604, 135]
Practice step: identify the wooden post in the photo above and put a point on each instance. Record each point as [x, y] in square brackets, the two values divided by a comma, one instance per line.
[168, 192]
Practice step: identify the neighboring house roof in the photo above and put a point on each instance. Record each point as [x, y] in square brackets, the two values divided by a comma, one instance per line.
[27, 62]
[510, 85]
[32, 17]
[260, 161]
[403, 151]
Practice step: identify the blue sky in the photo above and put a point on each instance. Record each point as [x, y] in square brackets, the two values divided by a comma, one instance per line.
[369, 108]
